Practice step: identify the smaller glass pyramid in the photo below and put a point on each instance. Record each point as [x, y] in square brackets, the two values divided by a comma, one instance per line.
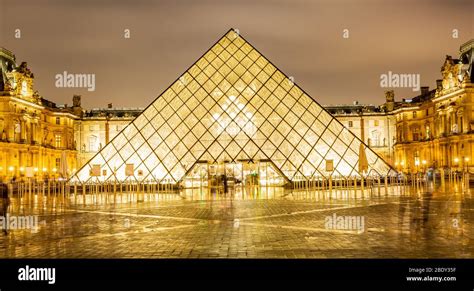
[232, 105]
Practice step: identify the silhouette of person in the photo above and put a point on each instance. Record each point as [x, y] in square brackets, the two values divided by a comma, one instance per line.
[5, 203]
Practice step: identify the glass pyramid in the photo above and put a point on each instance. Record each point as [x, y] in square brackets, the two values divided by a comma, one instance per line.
[232, 105]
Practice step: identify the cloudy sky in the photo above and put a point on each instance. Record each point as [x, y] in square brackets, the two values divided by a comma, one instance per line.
[303, 38]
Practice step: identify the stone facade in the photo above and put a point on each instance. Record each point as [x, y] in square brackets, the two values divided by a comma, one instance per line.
[35, 132]
[436, 128]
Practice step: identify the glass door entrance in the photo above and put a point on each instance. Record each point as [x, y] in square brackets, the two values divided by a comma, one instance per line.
[225, 176]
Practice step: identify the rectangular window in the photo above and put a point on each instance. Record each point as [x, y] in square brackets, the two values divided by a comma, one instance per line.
[376, 123]
[414, 114]
[58, 162]
[350, 124]
[57, 140]
[416, 134]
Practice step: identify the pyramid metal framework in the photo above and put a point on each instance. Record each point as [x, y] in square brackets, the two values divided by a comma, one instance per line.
[231, 105]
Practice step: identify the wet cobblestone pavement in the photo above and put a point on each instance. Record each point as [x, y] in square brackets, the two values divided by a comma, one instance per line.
[405, 224]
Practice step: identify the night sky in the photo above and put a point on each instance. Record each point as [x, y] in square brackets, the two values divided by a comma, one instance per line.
[302, 38]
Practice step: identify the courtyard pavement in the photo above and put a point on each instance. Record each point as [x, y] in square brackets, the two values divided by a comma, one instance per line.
[406, 223]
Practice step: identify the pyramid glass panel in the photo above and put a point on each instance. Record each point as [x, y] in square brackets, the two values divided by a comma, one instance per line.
[232, 106]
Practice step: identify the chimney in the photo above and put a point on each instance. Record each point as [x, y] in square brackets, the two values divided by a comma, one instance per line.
[109, 105]
[389, 100]
[76, 101]
[425, 90]
[76, 105]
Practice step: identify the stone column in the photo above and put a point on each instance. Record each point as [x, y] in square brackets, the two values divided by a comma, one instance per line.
[22, 130]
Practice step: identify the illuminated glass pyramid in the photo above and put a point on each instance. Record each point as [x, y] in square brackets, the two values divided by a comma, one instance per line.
[232, 105]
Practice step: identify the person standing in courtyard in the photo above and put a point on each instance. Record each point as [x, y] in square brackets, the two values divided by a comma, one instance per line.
[5, 201]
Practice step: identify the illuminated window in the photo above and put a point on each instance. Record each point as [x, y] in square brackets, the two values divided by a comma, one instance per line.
[416, 133]
[57, 140]
[58, 120]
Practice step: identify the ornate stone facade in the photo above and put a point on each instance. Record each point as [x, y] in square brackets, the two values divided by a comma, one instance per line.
[436, 129]
[34, 131]
[98, 126]
[375, 125]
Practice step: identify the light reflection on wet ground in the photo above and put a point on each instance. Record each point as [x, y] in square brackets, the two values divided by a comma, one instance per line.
[248, 223]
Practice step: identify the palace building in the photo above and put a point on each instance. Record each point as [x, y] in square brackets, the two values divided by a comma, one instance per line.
[436, 129]
[35, 132]
[234, 112]
[98, 126]
[375, 125]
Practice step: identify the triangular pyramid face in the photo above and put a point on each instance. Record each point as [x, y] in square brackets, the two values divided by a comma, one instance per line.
[231, 105]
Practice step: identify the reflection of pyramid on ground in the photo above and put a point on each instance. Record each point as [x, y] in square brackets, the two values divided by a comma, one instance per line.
[232, 105]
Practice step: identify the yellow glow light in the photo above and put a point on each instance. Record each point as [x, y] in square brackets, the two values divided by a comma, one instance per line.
[423, 162]
[44, 169]
[22, 169]
[466, 159]
[36, 169]
[11, 168]
[54, 170]
[456, 160]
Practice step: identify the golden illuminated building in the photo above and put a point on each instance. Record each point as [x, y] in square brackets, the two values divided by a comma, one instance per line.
[98, 126]
[436, 129]
[35, 133]
[375, 125]
[233, 113]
